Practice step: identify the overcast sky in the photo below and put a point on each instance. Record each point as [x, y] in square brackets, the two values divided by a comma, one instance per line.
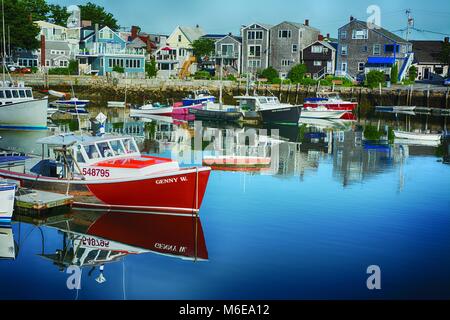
[223, 16]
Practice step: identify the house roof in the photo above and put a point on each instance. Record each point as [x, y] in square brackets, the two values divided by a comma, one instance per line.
[263, 25]
[324, 43]
[427, 51]
[56, 45]
[192, 33]
[381, 31]
[299, 25]
[45, 24]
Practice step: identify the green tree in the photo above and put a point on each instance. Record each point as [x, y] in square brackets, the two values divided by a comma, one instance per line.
[98, 14]
[19, 20]
[297, 73]
[412, 73]
[374, 78]
[58, 15]
[394, 74]
[37, 9]
[73, 67]
[150, 69]
[203, 47]
[270, 74]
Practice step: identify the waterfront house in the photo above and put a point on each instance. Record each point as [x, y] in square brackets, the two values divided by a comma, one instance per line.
[228, 52]
[26, 58]
[320, 59]
[364, 47]
[59, 44]
[287, 42]
[428, 62]
[255, 47]
[102, 49]
[176, 57]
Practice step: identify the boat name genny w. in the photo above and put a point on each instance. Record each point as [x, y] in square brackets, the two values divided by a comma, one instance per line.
[171, 180]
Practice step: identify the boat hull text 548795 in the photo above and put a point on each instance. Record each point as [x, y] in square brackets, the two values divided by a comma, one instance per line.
[113, 171]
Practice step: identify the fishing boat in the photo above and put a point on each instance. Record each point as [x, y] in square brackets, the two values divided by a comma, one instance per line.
[270, 109]
[7, 193]
[72, 102]
[198, 97]
[322, 113]
[330, 100]
[19, 110]
[418, 136]
[152, 109]
[214, 113]
[110, 172]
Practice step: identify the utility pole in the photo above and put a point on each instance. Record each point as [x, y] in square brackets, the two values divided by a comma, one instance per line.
[410, 24]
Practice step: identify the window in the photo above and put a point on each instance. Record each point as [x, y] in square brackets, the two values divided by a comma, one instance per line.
[129, 146]
[2, 94]
[15, 93]
[361, 66]
[117, 147]
[127, 63]
[92, 151]
[254, 35]
[286, 62]
[138, 63]
[101, 63]
[317, 63]
[364, 48]
[29, 94]
[284, 34]
[22, 93]
[105, 150]
[254, 63]
[344, 50]
[389, 48]
[179, 38]
[295, 48]
[376, 49]
[110, 63]
[343, 35]
[227, 50]
[106, 34]
[254, 51]
[316, 49]
[360, 34]
[344, 66]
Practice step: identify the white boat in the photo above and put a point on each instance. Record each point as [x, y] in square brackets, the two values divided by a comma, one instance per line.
[7, 194]
[73, 102]
[57, 94]
[322, 113]
[152, 109]
[116, 104]
[19, 110]
[418, 136]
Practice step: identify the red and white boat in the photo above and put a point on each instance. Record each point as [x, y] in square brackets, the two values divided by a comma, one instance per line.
[110, 172]
[332, 101]
[180, 110]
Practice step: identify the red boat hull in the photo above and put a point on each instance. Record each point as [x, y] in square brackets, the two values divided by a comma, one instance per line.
[183, 191]
[345, 106]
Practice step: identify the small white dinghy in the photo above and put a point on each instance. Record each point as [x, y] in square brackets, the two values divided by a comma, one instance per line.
[418, 136]
[152, 109]
[116, 104]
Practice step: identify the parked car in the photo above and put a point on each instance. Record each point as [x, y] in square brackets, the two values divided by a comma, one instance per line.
[447, 82]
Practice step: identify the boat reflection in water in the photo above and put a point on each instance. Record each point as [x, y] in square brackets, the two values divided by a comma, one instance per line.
[94, 239]
[8, 248]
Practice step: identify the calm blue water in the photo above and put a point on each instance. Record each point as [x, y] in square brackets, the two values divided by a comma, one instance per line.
[307, 229]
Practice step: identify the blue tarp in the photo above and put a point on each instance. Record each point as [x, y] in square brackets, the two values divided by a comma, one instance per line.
[381, 60]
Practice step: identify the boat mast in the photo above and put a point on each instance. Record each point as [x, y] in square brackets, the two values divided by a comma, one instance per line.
[221, 82]
[4, 42]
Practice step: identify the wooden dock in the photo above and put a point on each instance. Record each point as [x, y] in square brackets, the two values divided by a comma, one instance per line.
[39, 200]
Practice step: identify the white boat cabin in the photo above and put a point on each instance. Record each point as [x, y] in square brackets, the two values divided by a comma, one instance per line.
[256, 103]
[13, 93]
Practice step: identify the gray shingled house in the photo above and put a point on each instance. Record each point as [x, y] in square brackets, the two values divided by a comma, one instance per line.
[287, 41]
[363, 48]
[255, 47]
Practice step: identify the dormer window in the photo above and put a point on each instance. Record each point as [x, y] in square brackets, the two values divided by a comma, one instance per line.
[360, 34]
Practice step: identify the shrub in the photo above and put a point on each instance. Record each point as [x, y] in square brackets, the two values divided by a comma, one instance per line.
[59, 71]
[73, 67]
[150, 69]
[270, 74]
[118, 69]
[297, 73]
[202, 75]
[394, 74]
[374, 78]
[412, 73]
[231, 78]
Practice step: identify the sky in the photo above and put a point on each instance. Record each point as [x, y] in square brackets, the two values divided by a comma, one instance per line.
[224, 16]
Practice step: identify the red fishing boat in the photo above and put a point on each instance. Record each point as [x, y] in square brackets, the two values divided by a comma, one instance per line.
[332, 101]
[110, 172]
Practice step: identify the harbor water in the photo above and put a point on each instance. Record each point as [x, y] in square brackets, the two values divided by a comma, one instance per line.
[334, 199]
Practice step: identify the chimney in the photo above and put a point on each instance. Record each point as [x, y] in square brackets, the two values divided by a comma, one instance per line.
[86, 23]
[320, 37]
[446, 39]
[134, 32]
[43, 50]
[96, 32]
[351, 18]
[197, 26]
[307, 22]
[328, 36]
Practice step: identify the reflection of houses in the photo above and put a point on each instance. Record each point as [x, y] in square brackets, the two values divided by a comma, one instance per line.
[428, 61]
[176, 57]
[102, 49]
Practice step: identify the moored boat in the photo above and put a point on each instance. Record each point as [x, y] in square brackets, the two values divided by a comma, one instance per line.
[152, 109]
[322, 113]
[73, 102]
[198, 97]
[330, 100]
[270, 109]
[19, 110]
[418, 136]
[112, 169]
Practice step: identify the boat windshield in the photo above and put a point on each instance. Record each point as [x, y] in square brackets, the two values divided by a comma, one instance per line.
[110, 149]
[130, 146]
